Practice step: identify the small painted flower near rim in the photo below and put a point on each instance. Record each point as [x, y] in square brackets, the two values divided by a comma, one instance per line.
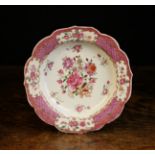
[79, 108]
[67, 62]
[106, 88]
[48, 67]
[53, 94]
[105, 91]
[77, 48]
[102, 59]
[56, 96]
[104, 62]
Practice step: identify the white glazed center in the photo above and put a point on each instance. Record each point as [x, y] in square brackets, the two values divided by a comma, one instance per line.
[78, 79]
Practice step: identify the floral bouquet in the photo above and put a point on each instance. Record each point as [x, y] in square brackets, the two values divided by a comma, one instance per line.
[77, 76]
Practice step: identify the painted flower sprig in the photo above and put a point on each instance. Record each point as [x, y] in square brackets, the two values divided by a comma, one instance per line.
[76, 77]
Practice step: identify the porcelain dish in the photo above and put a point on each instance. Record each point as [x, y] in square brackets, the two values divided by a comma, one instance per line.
[78, 79]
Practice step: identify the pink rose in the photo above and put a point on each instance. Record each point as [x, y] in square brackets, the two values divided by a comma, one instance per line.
[74, 80]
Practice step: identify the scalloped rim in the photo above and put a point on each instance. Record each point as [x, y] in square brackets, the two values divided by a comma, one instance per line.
[99, 118]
